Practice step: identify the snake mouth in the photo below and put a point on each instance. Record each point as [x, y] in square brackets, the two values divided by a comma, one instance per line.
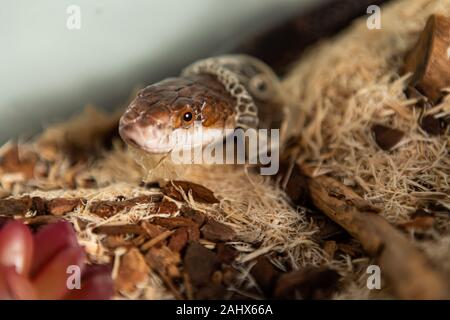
[162, 140]
[151, 140]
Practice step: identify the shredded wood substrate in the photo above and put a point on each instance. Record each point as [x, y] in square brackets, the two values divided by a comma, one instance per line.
[337, 91]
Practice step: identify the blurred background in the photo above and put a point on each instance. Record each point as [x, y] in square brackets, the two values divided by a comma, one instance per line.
[49, 72]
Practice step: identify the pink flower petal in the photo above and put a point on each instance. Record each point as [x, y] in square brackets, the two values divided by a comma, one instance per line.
[49, 241]
[96, 284]
[19, 287]
[5, 290]
[51, 281]
[16, 246]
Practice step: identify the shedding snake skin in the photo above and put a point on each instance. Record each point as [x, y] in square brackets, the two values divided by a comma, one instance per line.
[224, 92]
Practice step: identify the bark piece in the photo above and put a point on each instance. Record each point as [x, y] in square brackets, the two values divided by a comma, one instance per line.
[265, 275]
[60, 206]
[225, 253]
[115, 241]
[419, 223]
[211, 292]
[429, 59]
[152, 230]
[199, 193]
[294, 183]
[156, 240]
[108, 208]
[167, 207]
[178, 240]
[329, 230]
[13, 161]
[150, 185]
[330, 247]
[120, 229]
[193, 233]
[422, 213]
[196, 216]
[351, 249]
[133, 270]
[199, 263]
[172, 223]
[311, 283]
[164, 261]
[41, 220]
[4, 194]
[431, 125]
[386, 137]
[216, 231]
[10, 207]
[39, 206]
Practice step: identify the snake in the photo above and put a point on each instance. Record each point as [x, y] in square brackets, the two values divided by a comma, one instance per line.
[219, 93]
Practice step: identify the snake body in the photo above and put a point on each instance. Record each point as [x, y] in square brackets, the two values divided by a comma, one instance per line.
[219, 93]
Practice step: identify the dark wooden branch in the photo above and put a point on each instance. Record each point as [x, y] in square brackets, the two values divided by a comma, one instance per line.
[407, 269]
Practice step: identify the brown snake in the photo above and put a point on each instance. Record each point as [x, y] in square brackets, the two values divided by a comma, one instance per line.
[225, 92]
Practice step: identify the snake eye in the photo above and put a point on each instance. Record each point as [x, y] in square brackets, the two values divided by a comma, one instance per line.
[187, 116]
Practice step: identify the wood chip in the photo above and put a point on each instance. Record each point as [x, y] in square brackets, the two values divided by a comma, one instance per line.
[164, 261]
[39, 206]
[420, 223]
[354, 250]
[115, 241]
[199, 263]
[12, 162]
[329, 230]
[199, 193]
[431, 125]
[4, 194]
[310, 283]
[108, 208]
[41, 220]
[196, 216]
[193, 233]
[120, 229]
[265, 275]
[225, 253]
[216, 231]
[330, 247]
[178, 240]
[147, 245]
[10, 207]
[422, 213]
[167, 207]
[60, 206]
[152, 230]
[172, 223]
[386, 137]
[150, 185]
[133, 270]
[293, 181]
[211, 292]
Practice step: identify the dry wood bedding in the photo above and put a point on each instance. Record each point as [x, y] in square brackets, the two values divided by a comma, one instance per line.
[226, 232]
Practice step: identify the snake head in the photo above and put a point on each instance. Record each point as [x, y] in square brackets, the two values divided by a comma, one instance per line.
[178, 113]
